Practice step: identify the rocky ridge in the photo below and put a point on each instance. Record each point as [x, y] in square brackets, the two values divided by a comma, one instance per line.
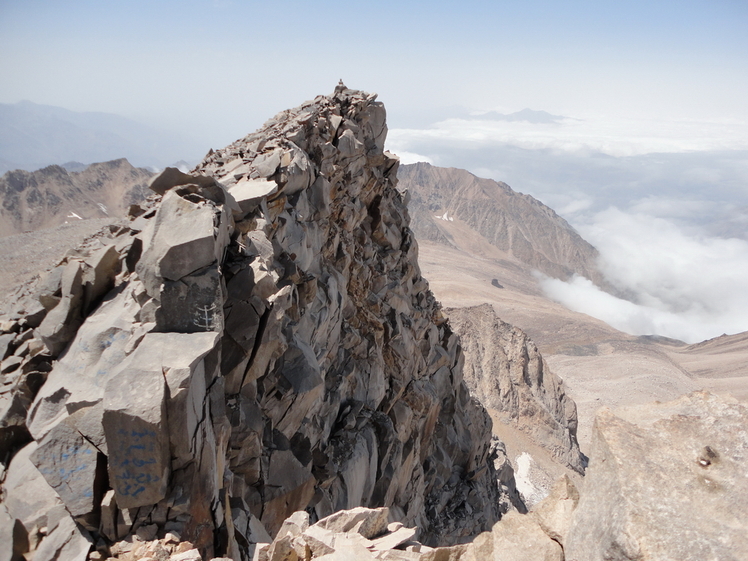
[654, 492]
[515, 223]
[242, 350]
[52, 196]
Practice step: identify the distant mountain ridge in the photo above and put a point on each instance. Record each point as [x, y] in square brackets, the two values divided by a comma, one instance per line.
[52, 196]
[513, 222]
[526, 115]
[33, 136]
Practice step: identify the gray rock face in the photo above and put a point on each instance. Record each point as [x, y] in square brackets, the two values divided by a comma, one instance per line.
[137, 436]
[68, 463]
[257, 340]
[666, 481]
[506, 372]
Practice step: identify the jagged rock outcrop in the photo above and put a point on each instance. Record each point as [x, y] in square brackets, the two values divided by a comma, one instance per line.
[51, 196]
[506, 372]
[513, 222]
[256, 340]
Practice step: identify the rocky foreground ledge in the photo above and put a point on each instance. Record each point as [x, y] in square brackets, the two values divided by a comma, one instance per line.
[655, 490]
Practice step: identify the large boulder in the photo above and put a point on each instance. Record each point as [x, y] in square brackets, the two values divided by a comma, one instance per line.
[665, 481]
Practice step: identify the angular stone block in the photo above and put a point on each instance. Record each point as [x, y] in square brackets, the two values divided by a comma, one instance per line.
[369, 522]
[62, 322]
[64, 539]
[14, 541]
[28, 497]
[101, 268]
[77, 380]
[248, 192]
[137, 436]
[178, 241]
[289, 487]
[180, 357]
[68, 463]
[192, 304]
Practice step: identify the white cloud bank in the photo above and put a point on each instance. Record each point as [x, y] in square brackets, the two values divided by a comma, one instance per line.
[683, 285]
[611, 136]
[665, 202]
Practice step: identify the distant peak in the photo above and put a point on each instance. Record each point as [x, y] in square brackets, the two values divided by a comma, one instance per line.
[526, 115]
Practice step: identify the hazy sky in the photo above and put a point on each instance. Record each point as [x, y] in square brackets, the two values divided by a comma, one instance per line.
[221, 67]
[650, 162]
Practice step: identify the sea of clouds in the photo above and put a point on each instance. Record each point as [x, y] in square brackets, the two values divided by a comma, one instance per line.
[665, 203]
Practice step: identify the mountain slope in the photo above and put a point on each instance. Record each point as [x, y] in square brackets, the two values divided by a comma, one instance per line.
[52, 196]
[515, 223]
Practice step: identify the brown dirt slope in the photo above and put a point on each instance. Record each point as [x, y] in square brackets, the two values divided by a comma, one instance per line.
[53, 196]
[513, 222]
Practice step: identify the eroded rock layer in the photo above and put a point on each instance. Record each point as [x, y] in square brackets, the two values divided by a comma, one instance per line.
[243, 349]
[507, 373]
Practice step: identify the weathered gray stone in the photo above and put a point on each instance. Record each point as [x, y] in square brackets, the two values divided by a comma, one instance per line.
[10, 364]
[13, 537]
[179, 240]
[393, 539]
[13, 431]
[6, 340]
[666, 481]
[296, 172]
[108, 520]
[99, 273]
[78, 379]
[49, 287]
[64, 539]
[192, 303]
[369, 522]
[517, 537]
[137, 436]
[61, 323]
[290, 487]
[179, 356]
[69, 464]
[265, 165]
[553, 513]
[249, 192]
[172, 177]
[28, 497]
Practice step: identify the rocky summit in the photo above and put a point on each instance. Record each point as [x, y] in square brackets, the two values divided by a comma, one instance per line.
[255, 341]
[251, 367]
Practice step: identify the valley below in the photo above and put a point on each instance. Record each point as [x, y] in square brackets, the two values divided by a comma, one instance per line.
[599, 365]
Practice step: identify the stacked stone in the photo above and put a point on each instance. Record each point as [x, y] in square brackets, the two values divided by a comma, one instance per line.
[258, 340]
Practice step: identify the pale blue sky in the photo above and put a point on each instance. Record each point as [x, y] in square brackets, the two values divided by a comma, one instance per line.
[224, 66]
